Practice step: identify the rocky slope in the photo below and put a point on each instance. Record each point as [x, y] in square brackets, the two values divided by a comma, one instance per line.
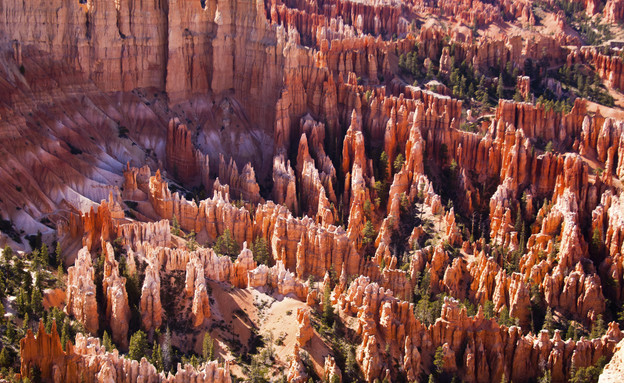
[194, 158]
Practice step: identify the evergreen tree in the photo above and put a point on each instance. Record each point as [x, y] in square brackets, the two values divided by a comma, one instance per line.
[10, 331]
[328, 310]
[157, 357]
[107, 342]
[383, 166]
[208, 347]
[504, 317]
[65, 333]
[398, 162]
[7, 254]
[36, 302]
[260, 250]
[25, 324]
[488, 309]
[6, 359]
[549, 321]
[227, 245]
[351, 366]
[22, 302]
[596, 244]
[58, 252]
[571, 332]
[500, 91]
[546, 378]
[45, 255]
[438, 360]
[175, 226]
[368, 239]
[598, 328]
[138, 345]
[191, 243]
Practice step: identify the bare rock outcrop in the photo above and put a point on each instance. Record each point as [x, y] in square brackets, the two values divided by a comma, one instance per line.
[614, 370]
[117, 307]
[304, 331]
[81, 302]
[195, 287]
[151, 307]
[89, 362]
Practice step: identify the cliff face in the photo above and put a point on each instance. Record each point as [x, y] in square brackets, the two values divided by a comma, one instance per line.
[88, 361]
[613, 11]
[174, 46]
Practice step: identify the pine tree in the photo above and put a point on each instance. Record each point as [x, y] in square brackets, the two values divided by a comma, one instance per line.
[546, 378]
[65, 333]
[208, 347]
[25, 324]
[351, 366]
[157, 357]
[438, 360]
[138, 345]
[22, 302]
[500, 91]
[10, 331]
[8, 254]
[36, 302]
[368, 239]
[59, 255]
[488, 309]
[191, 243]
[328, 310]
[107, 342]
[596, 244]
[571, 332]
[398, 162]
[45, 255]
[383, 166]
[2, 312]
[227, 245]
[36, 259]
[5, 358]
[503, 317]
[260, 251]
[549, 321]
[175, 226]
[598, 328]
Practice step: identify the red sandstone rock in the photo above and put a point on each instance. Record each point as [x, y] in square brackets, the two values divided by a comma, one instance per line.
[81, 293]
[89, 362]
[151, 308]
[614, 11]
[117, 308]
[305, 331]
[195, 287]
[296, 370]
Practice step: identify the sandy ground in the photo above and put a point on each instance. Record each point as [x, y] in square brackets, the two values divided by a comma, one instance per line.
[238, 313]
